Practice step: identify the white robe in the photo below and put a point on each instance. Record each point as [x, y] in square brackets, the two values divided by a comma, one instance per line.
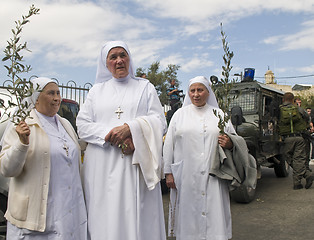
[200, 207]
[66, 211]
[119, 204]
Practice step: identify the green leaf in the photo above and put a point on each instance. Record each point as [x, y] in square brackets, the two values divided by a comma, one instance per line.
[5, 58]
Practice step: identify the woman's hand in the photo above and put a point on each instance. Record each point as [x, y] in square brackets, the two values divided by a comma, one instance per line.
[128, 146]
[225, 142]
[23, 131]
[118, 135]
[170, 181]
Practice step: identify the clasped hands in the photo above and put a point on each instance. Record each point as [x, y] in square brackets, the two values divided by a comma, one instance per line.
[121, 137]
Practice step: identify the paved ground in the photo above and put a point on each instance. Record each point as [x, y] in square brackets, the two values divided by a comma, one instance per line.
[277, 213]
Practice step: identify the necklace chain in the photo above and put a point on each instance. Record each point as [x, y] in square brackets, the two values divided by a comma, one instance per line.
[58, 134]
[119, 110]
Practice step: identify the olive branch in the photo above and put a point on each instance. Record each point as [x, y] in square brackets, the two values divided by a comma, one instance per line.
[20, 88]
[222, 88]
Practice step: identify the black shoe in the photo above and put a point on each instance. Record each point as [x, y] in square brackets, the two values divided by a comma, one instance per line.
[309, 182]
[297, 186]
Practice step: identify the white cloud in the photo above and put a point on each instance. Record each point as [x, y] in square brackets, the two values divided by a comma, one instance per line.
[201, 15]
[307, 69]
[302, 39]
[145, 52]
[176, 59]
[272, 40]
[71, 32]
[196, 63]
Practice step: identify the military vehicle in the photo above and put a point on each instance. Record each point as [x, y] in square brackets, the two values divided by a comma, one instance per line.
[254, 109]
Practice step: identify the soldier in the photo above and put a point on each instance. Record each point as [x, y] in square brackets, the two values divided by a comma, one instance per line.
[292, 126]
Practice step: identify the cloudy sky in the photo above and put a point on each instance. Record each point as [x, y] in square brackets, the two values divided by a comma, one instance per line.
[65, 39]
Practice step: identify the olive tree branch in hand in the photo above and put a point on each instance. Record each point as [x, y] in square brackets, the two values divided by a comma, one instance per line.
[23, 131]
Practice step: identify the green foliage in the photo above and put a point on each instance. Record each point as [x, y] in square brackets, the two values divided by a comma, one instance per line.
[223, 87]
[160, 79]
[20, 87]
[307, 101]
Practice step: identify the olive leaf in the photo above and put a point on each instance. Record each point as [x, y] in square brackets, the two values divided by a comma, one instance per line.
[222, 88]
[20, 88]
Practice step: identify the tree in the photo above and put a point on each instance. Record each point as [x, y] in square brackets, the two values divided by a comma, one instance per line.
[160, 79]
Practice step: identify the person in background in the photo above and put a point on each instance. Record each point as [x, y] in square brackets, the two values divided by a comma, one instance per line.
[123, 123]
[312, 142]
[173, 93]
[309, 110]
[199, 197]
[293, 123]
[298, 101]
[309, 138]
[143, 75]
[41, 155]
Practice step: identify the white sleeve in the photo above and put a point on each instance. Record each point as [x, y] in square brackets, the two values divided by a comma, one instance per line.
[147, 133]
[168, 149]
[88, 130]
[13, 154]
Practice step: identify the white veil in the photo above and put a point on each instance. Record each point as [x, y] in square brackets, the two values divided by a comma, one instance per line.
[211, 100]
[103, 74]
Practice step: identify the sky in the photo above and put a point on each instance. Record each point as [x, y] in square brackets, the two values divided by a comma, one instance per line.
[66, 37]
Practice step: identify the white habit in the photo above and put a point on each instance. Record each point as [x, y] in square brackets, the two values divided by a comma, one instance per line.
[119, 204]
[200, 207]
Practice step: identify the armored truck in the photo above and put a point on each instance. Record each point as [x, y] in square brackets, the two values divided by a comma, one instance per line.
[254, 109]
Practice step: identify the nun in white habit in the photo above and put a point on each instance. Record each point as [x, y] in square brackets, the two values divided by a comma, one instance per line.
[123, 123]
[41, 155]
[200, 205]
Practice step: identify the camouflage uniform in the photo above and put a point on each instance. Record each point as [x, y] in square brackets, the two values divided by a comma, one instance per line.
[295, 155]
[294, 149]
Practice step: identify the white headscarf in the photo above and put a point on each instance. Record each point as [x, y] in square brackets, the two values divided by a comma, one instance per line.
[211, 100]
[39, 84]
[103, 74]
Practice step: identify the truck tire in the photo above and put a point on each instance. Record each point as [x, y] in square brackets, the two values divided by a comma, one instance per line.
[281, 168]
[243, 194]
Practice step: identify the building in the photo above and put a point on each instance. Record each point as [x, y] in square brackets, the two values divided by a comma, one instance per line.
[302, 90]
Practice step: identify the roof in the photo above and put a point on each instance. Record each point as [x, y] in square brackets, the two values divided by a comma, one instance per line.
[299, 87]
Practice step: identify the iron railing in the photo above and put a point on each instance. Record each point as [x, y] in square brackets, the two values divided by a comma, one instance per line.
[70, 90]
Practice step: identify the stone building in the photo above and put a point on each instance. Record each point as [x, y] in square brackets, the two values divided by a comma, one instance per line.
[302, 90]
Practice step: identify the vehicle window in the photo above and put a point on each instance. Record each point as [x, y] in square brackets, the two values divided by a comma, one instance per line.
[247, 100]
[69, 111]
[267, 105]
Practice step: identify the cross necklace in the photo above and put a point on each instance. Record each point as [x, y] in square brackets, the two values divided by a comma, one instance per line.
[55, 131]
[119, 110]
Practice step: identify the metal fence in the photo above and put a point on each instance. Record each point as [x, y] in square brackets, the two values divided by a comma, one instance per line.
[70, 90]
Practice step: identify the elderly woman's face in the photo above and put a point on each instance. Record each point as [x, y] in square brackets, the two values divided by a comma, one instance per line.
[118, 62]
[49, 100]
[198, 94]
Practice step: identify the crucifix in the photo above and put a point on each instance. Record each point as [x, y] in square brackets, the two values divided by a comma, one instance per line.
[118, 112]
